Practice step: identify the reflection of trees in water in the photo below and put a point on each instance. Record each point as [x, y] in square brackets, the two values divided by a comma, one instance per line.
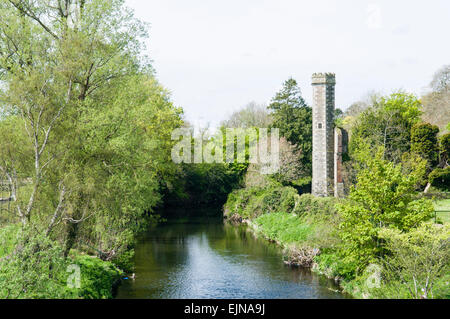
[170, 254]
[241, 240]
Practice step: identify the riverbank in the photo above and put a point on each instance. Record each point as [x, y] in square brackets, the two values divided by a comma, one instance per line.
[308, 230]
[291, 235]
[305, 227]
[77, 276]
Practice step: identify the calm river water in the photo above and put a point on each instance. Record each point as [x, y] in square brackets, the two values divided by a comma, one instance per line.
[213, 260]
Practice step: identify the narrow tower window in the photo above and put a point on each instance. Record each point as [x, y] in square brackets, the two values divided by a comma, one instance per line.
[319, 125]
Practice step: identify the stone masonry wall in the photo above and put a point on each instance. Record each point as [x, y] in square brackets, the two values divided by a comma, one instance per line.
[323, 134]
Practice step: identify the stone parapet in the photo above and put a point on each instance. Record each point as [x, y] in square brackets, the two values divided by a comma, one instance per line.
[323, 78]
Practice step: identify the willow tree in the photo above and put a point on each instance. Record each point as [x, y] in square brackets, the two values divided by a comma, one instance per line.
[96, 122]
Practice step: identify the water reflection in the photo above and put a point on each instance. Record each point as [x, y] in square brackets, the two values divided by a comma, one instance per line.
[212, 260]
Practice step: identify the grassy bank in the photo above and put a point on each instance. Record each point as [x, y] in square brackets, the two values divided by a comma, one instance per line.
[308, 229]
[50, 275]
[305, 226]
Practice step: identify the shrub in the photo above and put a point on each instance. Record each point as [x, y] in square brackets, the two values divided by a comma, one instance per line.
[424, 142]
[383, 197]
[418, 258]
[97, 277]
[34, 267]
[35, 270]
[252, 202]
[440, 178]
[445, 147]
[315, 207]
[331, 263]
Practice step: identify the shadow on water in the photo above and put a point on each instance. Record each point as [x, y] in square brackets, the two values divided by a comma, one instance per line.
[205, 258]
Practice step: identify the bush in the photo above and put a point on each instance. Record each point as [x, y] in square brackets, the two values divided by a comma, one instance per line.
[417, 259]
[315, 207]
[252, 202]
[440, 178]
[331, 264]
[383, 197]
[97, 277]
[424, 142]
[445, 147]
[34, 267]
[35, 270]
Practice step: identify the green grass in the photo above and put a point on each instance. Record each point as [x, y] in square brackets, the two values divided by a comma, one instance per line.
[283, 227]
[442, 208]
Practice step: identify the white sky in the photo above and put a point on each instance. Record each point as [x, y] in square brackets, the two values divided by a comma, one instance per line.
[216, 56]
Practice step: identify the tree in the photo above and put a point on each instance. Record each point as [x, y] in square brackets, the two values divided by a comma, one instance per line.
[384, 196]
[388, 123]
[293, 118]
[417, 258]
[437, 103]
[444, 149]
[289, 172]
[252, 115]
[440, 178]
[94, 125]
[441, 79]
[424, 142]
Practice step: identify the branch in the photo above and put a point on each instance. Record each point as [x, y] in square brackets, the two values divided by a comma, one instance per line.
[58, 209]
[26, 11]
[77, 221]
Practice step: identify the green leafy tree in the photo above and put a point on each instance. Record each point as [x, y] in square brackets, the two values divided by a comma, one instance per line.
[293, 117]
[424, 142]
[418, 260]
[440, 178]
[444, 149]
[387, 123]
[384, 196]
[92, 151]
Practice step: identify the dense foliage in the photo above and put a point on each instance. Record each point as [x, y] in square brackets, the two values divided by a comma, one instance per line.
[85, 138]
[384, 196]
[293, 118]
[424, 142]
[378, 241]
[418, 260]
[85, 160]
[388, 123]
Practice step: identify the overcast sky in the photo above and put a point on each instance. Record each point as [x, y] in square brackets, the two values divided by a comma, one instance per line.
[216, 56]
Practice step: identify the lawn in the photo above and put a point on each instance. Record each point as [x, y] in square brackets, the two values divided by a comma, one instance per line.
[442, 208]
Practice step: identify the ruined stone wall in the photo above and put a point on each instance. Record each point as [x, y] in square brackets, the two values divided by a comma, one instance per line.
[339, 141]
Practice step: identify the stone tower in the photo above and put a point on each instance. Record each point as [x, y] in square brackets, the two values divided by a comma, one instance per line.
[323, 156]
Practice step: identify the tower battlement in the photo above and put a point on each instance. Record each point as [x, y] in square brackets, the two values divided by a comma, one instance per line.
[324, 78]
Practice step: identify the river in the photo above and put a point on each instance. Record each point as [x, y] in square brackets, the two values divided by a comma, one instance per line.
[215, 260]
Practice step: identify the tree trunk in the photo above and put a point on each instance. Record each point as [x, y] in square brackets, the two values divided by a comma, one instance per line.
[427, 188]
